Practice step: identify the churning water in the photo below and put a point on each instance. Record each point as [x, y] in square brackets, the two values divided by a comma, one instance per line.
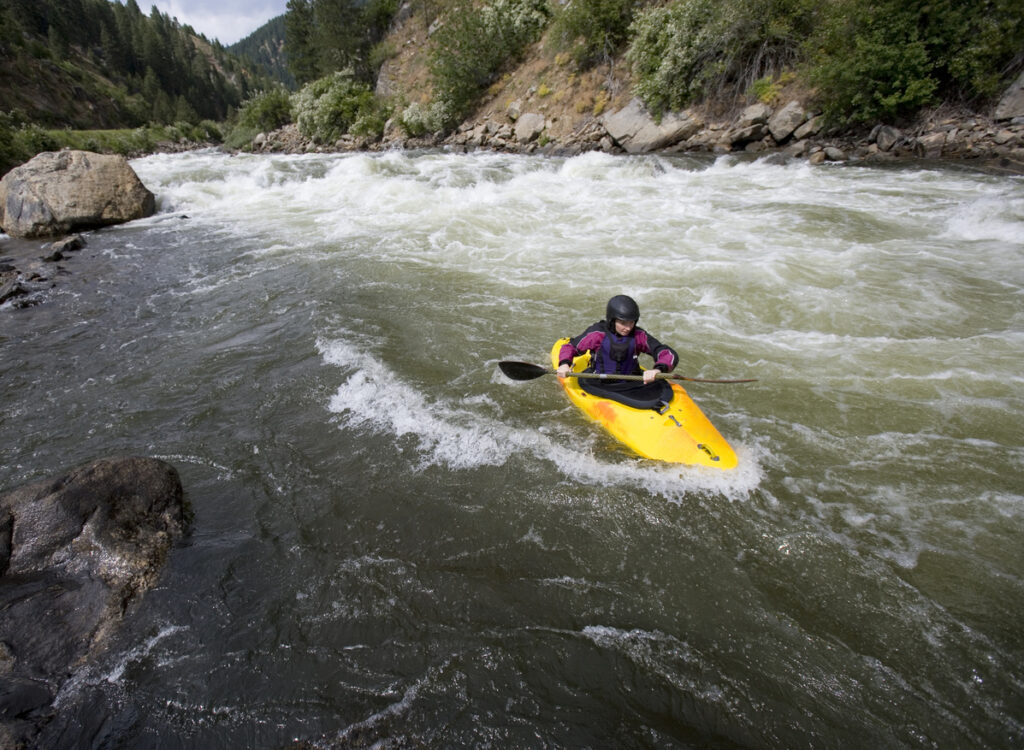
[396, 546]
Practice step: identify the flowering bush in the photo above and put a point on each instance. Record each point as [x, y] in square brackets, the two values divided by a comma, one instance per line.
[329, 107]
[691, 49]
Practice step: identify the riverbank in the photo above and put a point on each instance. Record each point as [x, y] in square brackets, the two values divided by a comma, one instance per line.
[791, 130]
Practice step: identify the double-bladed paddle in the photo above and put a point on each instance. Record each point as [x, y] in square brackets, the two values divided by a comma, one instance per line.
[528, 371]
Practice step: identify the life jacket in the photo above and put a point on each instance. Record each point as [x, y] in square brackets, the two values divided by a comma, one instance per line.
[617, 355]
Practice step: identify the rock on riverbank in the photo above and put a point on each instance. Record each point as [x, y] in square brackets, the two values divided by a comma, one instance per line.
[792, 128]
[58, 192]
[75, 553]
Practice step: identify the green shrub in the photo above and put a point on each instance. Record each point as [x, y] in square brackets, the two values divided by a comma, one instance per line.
[673, 50]
[885, 59]
[693, 49]
[380, 53]
[981, 59]
[9, 157]
[472, 47]
[141, 139]
[592, 30]
[371, 120]
[872, 64]
[328, 108]
[420, 119]
[20, 141]
[266, 110]
[240, 137]
[32, 140]
[210, 131]
[769, 88]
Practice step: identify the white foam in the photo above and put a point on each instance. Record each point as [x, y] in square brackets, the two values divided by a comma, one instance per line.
[457, 436]
[997, 216]
[376, 398]
[94, 673]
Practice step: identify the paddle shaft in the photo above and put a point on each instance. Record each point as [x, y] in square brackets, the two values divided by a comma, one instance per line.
[659, 376]
[529, 371]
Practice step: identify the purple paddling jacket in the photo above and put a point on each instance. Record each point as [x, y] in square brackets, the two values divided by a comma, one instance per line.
[593, 340]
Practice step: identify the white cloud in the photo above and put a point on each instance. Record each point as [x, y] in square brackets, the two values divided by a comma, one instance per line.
[227, 20]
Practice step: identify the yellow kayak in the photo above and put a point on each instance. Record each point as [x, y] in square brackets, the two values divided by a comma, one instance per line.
[681, 434]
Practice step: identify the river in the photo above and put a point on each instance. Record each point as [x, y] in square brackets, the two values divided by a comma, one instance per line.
[396, 546]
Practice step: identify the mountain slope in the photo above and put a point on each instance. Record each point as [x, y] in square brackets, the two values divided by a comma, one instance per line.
[266, 48]
[100, 64]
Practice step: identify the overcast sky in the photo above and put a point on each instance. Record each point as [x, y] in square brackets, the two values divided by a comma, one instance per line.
[226, 20]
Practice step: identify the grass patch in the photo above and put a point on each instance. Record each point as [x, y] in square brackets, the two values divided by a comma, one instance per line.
[22, 141]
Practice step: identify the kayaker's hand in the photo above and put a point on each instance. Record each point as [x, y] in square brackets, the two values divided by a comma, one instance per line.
[564, 370]
[650, 376]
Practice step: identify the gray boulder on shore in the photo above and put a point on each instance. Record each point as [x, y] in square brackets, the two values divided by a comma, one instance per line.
[637, 132]
[1012, 104]
[529, 126]
[784, 123]
[58, 192]
[75, 553]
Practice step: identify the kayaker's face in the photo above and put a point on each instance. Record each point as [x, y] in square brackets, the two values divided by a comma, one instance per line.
[623, 327]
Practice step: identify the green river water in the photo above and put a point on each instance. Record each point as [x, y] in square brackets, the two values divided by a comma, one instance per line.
[395, 546]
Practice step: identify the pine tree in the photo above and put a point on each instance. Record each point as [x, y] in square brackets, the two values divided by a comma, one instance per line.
[59, 46]
[299, 41]
[338, 35]
[184, 112]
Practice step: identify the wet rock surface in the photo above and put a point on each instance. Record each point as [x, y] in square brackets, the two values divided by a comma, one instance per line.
[76, 552]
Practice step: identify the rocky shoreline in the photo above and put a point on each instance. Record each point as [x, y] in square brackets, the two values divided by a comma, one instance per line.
[55, 195]
[969, 138]
[792, 130]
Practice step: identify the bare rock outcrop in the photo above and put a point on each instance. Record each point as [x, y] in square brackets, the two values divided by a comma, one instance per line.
[1011, 106]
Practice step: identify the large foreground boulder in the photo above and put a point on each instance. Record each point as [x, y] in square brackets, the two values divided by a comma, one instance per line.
[75, 553]
[59, 192]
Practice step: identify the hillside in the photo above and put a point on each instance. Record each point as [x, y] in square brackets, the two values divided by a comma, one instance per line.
[543, 80]
[265, 47]
[78, 96]
[100, 64]
[570, 104]
[465, 72]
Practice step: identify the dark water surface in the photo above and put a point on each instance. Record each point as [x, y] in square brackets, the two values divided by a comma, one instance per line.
[396, 546]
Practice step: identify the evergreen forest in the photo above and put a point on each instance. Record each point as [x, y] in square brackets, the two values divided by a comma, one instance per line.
[97, 63]
[265, 47]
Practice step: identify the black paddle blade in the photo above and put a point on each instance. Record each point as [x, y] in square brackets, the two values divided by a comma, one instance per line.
[522, 370]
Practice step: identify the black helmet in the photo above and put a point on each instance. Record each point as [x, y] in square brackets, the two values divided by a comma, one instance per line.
[621, 307]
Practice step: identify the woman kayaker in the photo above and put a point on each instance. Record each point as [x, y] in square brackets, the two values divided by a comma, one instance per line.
[615, 344]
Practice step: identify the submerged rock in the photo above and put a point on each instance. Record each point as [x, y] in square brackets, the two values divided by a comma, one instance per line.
[60, 192]
[75, 553]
